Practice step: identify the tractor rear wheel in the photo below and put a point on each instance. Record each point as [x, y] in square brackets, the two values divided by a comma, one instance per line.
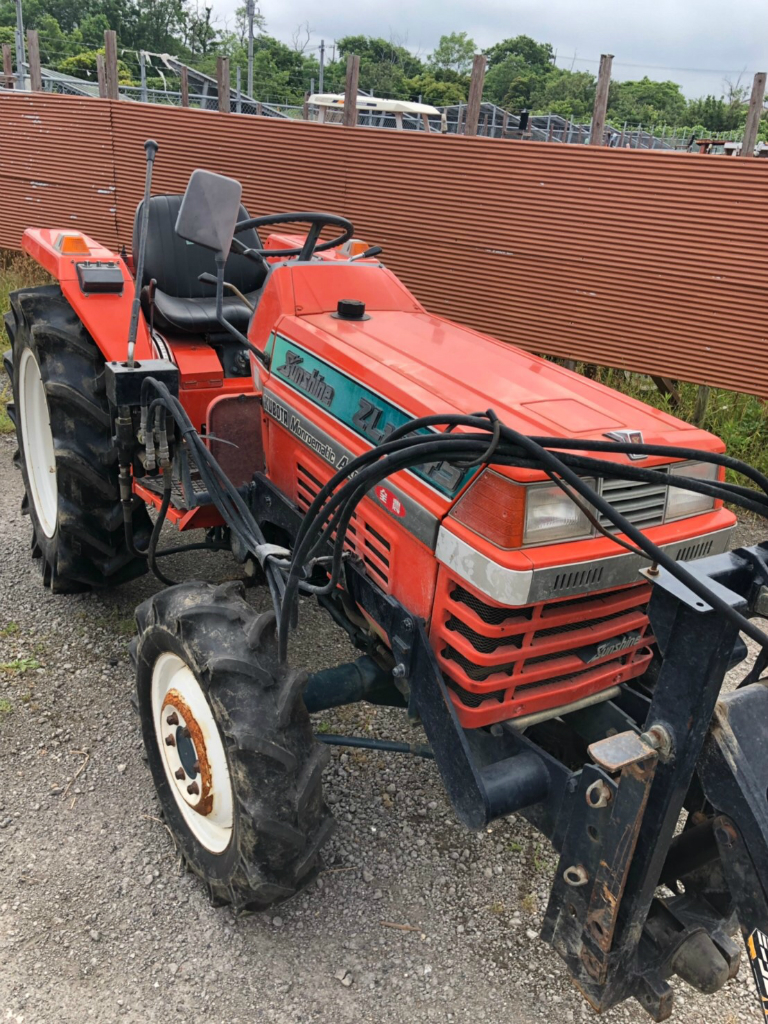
[229, 743]
[65, 453]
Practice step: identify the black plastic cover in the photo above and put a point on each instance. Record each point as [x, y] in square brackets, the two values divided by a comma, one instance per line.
[124, 382]
[100, 278]
[350, 309]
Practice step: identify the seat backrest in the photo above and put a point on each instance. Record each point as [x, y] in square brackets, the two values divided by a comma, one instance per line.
[176, 264]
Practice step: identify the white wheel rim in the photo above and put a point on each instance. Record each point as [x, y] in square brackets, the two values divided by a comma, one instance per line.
[37, 438]
[192, 752]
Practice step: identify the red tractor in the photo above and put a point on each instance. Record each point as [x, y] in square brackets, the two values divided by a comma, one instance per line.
[536, 603]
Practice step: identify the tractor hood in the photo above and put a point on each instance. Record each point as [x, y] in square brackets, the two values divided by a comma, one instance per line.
[424, 364]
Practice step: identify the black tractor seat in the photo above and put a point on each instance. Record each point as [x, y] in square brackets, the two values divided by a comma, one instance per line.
[182, 303]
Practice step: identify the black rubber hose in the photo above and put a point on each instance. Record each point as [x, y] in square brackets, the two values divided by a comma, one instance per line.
[157, 529]
[551, 464]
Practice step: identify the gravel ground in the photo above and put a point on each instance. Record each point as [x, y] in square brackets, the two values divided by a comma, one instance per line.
[98, 922]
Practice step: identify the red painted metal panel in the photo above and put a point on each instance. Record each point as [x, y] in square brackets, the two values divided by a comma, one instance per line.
[644, 260]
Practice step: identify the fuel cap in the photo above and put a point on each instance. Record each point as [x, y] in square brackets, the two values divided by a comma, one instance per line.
[350, 309]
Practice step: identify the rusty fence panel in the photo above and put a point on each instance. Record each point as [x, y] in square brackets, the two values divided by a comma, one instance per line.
[56, 166]
[650, 261]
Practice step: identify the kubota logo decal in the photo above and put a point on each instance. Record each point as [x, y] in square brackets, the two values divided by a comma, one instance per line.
[390, 502]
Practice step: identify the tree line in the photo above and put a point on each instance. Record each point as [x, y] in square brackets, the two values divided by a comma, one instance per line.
[521, 73]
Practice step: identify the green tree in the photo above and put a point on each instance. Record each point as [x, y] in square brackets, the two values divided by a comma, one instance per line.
[454, 52]
[439, 91]
[512, 84]
[647, 102]
[531, 53]
[571, 94]
[716, 114]
[385, 66]
[84, 65]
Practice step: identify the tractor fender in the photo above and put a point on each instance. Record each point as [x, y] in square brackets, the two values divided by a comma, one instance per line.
[106, 316]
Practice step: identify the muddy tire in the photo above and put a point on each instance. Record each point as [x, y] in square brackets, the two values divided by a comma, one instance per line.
[65, 454]
[229, 743]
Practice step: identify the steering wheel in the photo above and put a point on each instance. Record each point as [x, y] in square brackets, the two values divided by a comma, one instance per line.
[317, 222]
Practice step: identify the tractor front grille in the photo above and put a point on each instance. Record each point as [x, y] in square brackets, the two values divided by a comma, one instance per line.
[642, 504]
[502, 662]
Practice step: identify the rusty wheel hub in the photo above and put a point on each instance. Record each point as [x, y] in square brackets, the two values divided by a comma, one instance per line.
[193, 754]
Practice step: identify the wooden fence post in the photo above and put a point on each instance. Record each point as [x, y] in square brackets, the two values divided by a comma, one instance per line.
[101, 75]
[33, 56]
[110, 64]
[222, 83]
[700, 408]
[305, 107]
[476, 83]
[754, 114]
[350, 91]
[185, 86]
[601, 100]
[7, 66]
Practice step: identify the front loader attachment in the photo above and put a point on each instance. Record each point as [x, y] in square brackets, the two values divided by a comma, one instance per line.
[734, 772]
[635, 900]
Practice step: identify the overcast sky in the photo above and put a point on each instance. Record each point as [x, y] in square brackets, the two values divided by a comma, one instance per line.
[697, 43]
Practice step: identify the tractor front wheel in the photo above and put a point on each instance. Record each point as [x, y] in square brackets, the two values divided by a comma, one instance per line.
[230, 745]
[66, 454]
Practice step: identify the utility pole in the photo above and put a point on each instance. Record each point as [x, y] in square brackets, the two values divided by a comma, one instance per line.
[350, 92]
[21, 57]
[251, 10]
[322, 64]
[754, 114]
[475, 94]
[143, 76]
[601, 100]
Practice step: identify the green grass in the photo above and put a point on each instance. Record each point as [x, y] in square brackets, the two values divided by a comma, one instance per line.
[16, 271]
[9, 630]
[5, 707]
[20, 665]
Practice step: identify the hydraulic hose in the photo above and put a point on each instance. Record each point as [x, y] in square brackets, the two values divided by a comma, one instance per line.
[467, 442]
[402, 450]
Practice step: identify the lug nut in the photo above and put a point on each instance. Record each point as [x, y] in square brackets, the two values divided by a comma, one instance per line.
[196, 766]
[180, 773]
[170, 741]
[185, 733]
[193, 789]
[172, 719]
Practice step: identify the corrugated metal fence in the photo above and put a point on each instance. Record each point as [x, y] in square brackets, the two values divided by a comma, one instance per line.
[644, 260]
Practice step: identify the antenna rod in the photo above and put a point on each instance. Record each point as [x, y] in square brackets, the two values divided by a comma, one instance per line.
[151, 147]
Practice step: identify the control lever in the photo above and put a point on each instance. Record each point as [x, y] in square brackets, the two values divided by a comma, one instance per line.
[373, 250]
[150, 147]
[207, 278]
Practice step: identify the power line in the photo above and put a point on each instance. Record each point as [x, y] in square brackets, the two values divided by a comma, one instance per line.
[657, 67]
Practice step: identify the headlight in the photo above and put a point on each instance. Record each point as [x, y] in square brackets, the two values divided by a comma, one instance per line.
[682, 503]
[494, 507]
[509, 514]
[551, 515]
